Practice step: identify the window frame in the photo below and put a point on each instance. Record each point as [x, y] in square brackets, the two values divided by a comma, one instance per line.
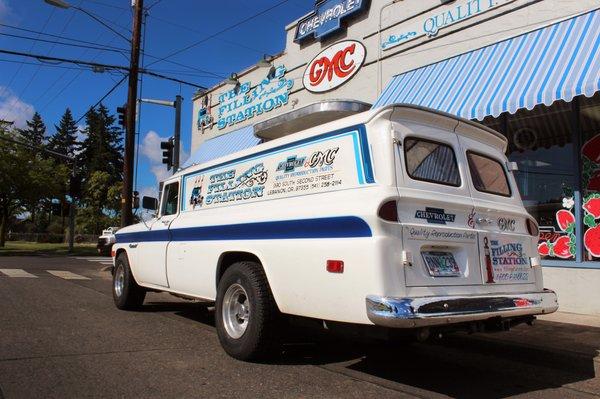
[419, 138]
[502, 166]
[165, 192]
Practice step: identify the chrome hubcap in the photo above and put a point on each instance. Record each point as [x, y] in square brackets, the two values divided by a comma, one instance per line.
[236, 311]
[119, 280]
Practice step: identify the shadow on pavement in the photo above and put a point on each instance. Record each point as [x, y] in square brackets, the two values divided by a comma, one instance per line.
[526, 359]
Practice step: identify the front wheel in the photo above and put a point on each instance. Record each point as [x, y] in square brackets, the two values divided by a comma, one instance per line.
[246, 314]
[127, 294]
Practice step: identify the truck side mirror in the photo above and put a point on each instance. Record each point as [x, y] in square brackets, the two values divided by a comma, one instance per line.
[149, 203]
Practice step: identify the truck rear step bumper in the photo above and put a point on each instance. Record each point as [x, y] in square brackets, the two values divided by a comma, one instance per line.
[444, 310]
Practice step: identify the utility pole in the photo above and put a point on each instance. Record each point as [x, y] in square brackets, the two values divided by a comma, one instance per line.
[129, 156]
[177, 133]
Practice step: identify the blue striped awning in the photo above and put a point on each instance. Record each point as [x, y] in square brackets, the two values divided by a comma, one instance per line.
[559, 61]
[225, 144]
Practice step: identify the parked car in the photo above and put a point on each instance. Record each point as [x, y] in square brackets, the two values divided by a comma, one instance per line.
[398, 218]
[106, 241]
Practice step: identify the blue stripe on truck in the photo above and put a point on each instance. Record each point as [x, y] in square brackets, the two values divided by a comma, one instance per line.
[332, 227]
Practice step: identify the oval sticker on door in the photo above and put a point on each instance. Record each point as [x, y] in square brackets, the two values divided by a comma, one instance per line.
[334, 66]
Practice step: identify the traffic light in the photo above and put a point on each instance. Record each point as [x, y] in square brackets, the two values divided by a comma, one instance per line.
[167, 147]
[122, 112]
[136, 200]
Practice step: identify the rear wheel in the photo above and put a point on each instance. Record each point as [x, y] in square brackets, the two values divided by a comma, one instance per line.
[246, 315]
[127, 294]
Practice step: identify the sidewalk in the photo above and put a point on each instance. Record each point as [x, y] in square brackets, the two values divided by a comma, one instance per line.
[572, 318]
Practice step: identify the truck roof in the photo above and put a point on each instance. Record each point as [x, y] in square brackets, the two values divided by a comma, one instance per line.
[393, 111]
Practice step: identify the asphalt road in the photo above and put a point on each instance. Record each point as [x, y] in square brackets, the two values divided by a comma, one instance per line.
[61, 336]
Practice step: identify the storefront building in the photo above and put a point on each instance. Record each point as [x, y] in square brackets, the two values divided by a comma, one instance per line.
[529, 69]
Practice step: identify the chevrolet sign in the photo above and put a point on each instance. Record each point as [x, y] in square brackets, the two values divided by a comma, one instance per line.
[326, 18]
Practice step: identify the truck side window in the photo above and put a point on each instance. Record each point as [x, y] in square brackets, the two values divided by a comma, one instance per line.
[431, 161]
[488, 174]
[170, 199]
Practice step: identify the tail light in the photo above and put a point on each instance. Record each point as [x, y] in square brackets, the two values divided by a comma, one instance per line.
[532, 228]
[389, 211]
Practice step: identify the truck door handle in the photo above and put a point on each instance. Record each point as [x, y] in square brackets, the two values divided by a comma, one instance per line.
[165, 222]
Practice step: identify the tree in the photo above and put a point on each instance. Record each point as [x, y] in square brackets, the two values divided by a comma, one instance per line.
[101, 160]
[24, 179]
[64, 141]
[102, 149]
[100, 203]
[35, 133]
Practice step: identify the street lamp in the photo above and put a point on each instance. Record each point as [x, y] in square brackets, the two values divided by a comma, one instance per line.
[64, 5]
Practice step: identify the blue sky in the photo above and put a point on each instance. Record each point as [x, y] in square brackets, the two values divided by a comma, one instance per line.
[171, 25]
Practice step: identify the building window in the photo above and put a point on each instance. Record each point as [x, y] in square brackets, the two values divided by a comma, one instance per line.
[540, 142]
[589, 117]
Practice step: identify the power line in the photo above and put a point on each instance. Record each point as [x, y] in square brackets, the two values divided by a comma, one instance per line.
[103, 98]
[63, 43]
[187, 28]
[21, 66]
[116, 49]
[67, 23]
[220, 32]
[107, 5]
[49, 65]
[99, 65]
[152, 5]
[38, 148]
[61, 37]
[101, 20]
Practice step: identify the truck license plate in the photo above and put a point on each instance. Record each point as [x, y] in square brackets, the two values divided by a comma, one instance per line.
[441, 264]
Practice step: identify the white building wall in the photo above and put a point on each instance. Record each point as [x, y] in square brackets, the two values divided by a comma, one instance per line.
[507, 20]
[578, 290]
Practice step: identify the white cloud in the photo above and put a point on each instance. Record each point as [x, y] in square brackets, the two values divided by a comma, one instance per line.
[4, 10]
[150, 148]
[11, 107]
[160, 172]
[148, 191]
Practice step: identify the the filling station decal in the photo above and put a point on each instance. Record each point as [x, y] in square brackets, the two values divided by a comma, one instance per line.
[305, 169]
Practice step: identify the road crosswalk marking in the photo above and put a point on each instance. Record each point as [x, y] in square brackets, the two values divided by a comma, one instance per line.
[17, 273]
[67, 275]
[102, 260]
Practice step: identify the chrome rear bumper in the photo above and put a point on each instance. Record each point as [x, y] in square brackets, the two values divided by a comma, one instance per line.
[444, 310]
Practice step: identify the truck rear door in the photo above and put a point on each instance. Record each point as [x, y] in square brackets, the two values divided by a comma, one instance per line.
[435, 207]
[500, 218]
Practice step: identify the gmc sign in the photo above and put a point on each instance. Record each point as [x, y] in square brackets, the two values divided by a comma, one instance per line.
[334, 66]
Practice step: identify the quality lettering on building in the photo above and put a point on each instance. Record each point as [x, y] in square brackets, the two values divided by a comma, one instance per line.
[432, 23]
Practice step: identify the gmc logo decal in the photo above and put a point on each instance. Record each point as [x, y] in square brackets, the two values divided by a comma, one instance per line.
[334, 66]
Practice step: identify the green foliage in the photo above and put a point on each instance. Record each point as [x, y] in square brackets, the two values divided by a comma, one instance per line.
[64, 141]
[40, 185]
[102, 148]
[35, 133]
[26, 179]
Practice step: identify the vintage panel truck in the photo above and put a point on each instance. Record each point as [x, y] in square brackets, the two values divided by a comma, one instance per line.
[400, 217]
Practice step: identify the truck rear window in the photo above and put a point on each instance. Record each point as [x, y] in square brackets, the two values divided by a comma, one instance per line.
[488, 174]
[431, 161]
